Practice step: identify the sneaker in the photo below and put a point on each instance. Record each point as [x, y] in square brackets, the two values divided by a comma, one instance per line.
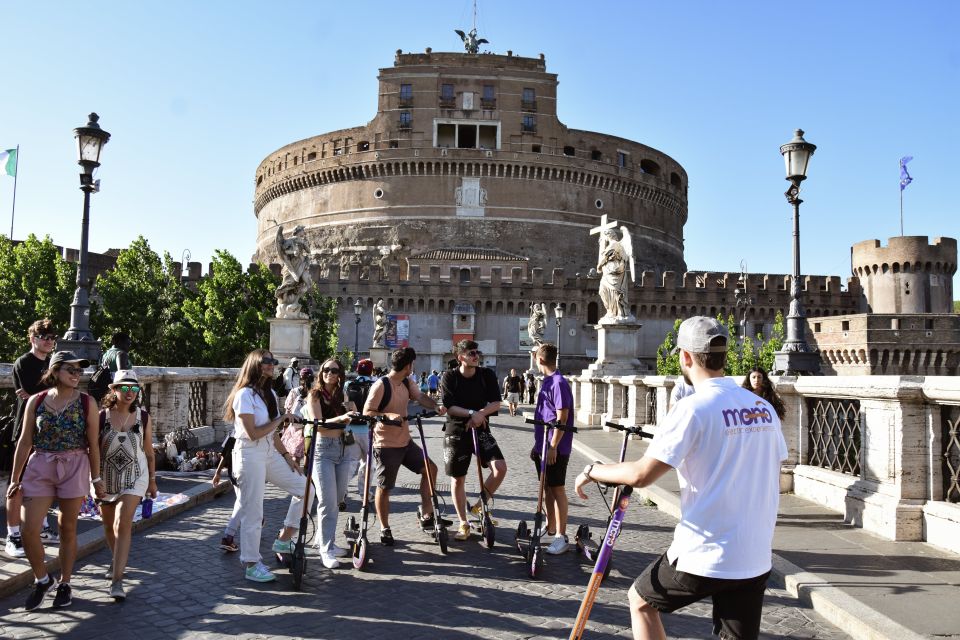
[337, 552]
[117, 592]
[283, 546]
[14, 547]
[258, 573]
[63, 597]
[342, 506]
[328, 560]
[463, 531]
[426, 522]
[40, 590]
[49, 536]
[477, 512]
[227, 544]
[386, 537]
[559, 545]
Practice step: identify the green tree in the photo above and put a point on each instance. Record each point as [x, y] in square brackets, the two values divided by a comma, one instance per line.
[773, 344]
[324, 328]
[35, 282]
[668, 363]
[231, 310]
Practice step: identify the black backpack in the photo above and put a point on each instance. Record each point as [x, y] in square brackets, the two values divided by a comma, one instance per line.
[100, 382]
[357, 392]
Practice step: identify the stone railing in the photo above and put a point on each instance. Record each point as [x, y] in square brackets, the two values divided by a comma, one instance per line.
[188, 397]
[883, 450]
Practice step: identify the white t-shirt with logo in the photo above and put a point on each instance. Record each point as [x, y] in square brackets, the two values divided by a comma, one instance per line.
[726, 444]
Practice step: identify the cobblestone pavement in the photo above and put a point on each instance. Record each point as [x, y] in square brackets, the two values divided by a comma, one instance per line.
[181, 586]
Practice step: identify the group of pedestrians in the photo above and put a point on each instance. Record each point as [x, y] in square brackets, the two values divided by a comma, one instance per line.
[66, 449]
[724, 441]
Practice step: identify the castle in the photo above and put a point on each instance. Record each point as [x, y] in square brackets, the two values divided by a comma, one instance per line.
[465, 199]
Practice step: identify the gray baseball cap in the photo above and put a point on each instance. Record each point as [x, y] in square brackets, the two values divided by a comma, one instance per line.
[696, 333]
[68, 357]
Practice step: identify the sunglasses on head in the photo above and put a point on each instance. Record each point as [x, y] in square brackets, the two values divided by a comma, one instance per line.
[72, 370]
[128, 388]
[270, 361]
[331, 370]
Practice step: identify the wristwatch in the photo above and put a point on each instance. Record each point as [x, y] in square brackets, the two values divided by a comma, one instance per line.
[470, 413]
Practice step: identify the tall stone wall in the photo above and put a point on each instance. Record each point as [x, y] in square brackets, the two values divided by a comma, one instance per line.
[909, 275]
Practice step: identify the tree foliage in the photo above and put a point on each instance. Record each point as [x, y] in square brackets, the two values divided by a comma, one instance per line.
[35, 282]
[325, 327]
[668, 363]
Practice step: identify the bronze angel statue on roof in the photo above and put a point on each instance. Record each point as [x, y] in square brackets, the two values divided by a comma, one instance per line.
[470, 41]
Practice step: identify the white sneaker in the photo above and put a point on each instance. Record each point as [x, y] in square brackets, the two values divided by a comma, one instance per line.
[337, 551]
[328, 560]
[48, 536]
[14, 547]
[559, 545]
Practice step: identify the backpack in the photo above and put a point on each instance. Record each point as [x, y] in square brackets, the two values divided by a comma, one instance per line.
[388, 393]
[357, 392]
[83, 397]
[99, 383]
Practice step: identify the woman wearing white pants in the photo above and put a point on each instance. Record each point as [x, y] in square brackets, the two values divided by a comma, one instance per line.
[254, 409]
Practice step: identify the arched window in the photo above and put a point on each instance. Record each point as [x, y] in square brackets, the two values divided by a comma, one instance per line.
[649, 166]
[464, 276]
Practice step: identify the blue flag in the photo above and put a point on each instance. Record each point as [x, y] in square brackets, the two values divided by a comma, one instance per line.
[905, 178]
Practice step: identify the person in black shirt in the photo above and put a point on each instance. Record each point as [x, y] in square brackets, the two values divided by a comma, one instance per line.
[471, 395]
[513, 388]
[27, 371]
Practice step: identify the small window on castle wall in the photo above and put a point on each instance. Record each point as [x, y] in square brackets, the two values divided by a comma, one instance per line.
[895, 324]
[816, 327]
[446, 92]
[845, 325]
[296, 160]
[675, 179]
[259, 180]
[569, 151]
[311, 156]
[536, 148]
[928, 325]
[621, 159]
[596, 155]
[363, 146]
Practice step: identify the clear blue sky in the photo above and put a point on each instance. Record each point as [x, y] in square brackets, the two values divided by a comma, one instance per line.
[196, 94]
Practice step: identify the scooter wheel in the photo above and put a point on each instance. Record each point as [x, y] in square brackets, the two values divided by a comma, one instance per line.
[583, 534]
[489, 532]
[442, 539]
[523, 535]
[360, 554]
[298, 566]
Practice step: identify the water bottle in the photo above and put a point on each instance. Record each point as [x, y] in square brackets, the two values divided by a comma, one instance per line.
[146, 508]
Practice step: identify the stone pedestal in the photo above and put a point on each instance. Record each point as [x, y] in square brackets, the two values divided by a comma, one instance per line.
[618, 348]
[380, 356]
[290, 337]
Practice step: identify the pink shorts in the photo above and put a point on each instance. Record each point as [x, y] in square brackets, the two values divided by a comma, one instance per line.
[60, 474]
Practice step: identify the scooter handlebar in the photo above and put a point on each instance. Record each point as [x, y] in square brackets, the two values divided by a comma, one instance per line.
[319, 423]
[422, 416]
[553, 425]
[634, 430]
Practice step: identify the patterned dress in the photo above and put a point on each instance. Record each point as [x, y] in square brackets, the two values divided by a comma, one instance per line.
[123, 464]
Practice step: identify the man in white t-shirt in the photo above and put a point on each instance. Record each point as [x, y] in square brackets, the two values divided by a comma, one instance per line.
[726, 446]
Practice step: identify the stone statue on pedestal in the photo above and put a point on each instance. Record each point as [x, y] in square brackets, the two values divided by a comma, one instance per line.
[537, 323]
[616, 259]
[296, 281]
[379, 323]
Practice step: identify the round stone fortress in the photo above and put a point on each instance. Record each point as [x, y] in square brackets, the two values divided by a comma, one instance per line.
[909, 275]
[465, 163]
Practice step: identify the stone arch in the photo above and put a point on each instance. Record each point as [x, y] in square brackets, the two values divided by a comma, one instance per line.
[499, 306]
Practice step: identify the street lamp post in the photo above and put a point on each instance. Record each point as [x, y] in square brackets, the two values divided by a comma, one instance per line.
[558, 312]
[795, 356]
[79, 338]
[742, 300]
[357, 310]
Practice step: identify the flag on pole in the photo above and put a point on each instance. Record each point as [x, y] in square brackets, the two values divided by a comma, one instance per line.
[8, 161]
[905, 178]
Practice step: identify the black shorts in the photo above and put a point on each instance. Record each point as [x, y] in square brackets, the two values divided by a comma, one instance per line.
[556, 472]
[390, 459]
[737, 604]
[458, 449]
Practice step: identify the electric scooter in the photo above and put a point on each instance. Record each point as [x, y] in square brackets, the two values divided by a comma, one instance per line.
[603, 558]
[439, 532]
[585, 544]
[528, 542]
[297, 561]
[484, 525]
[356, 533]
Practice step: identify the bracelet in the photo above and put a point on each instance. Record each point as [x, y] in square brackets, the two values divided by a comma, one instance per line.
[96, 480]
[586, 472]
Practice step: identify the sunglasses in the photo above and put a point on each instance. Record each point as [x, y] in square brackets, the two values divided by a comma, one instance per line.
[270, 361]
[331, 370]
[473, 353]
[48, 336]
[127, 388]
[74, 371]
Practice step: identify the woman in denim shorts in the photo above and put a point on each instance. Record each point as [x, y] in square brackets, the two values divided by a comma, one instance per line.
[60, 426]
[332, 462]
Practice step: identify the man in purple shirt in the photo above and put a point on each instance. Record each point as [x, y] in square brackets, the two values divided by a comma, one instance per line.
[555, 402]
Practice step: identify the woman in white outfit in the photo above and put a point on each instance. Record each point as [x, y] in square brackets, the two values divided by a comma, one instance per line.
[253, 408]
